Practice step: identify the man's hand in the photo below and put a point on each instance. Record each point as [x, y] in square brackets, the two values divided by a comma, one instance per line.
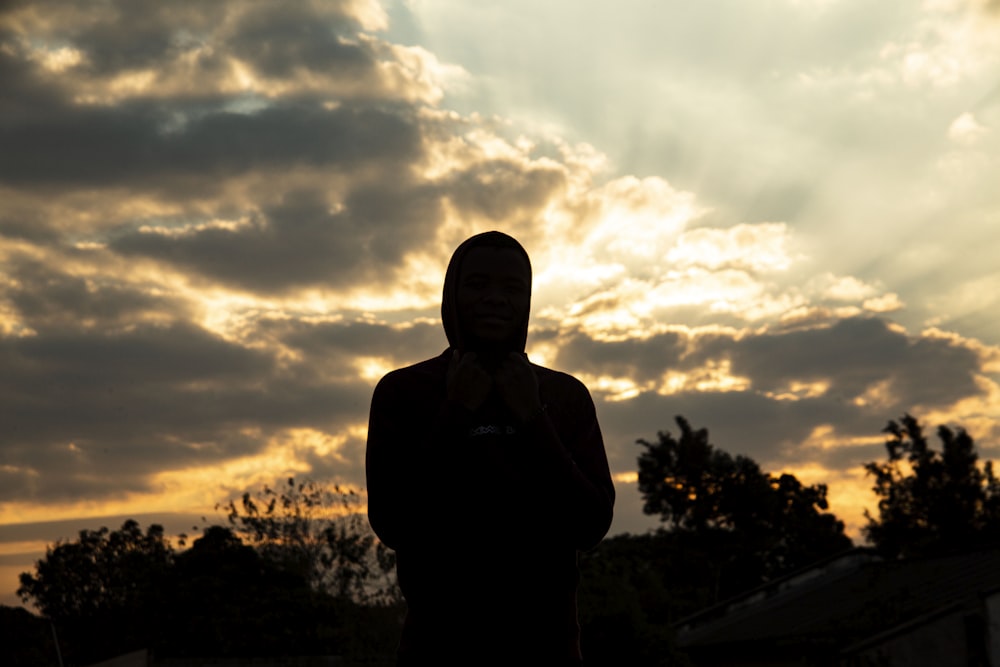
[467, 382]
[517, 386]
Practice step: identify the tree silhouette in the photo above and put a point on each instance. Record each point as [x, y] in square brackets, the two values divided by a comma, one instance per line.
[99, 572]
[746, 525]
[104, 579]
[297, 572]
[318, 532]
[226, 599]
[729, 527]
[932, 502]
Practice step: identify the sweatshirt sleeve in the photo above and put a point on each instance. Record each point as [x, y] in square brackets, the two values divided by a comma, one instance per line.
[571, 436]
[399, 466]
[383, 476]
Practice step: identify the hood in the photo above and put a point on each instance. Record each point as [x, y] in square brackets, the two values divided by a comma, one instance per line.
[449, 310]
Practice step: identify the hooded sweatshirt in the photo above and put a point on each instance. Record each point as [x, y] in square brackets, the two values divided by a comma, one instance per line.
[486, 513]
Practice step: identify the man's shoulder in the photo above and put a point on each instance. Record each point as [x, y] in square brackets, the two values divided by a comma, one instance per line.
[427, 371]
[560, 381]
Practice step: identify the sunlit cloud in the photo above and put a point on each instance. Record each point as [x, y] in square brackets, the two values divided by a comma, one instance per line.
[636, 261]
[715, 376]
[885, 303]
[796, 391]
[57, 59]
[373, 368]
[825, 437]
[759, 248]
[966, 129]
[612, 388]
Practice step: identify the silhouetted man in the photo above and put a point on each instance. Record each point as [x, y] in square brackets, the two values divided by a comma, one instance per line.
[486, 474]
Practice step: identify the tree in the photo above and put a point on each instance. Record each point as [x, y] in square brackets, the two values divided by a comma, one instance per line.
[109, 593]
[226, 599]
[99, 572]
[291, 575]
[746, 525]
[320, 533]
[104, 579]
[932, 502]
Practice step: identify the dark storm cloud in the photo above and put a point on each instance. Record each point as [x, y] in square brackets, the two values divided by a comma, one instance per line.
[171, 138]
[638, 359]
[119, 34]
[298, 241]
[51, 300]
[738, 422]
[304, 240]
[150, 354]
[127, 146]
[774, 433]
[101, 397]
[873, 373]
[281, 39]
[501, 189]
[854, 354]
[27, 225]
[122, 35]
[148, 400]
[23, 93]
[145, 380]
[347, 340]
[309, 238]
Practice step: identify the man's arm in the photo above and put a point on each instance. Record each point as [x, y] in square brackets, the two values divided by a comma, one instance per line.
[574, 459]
[387, 486]
[578, 465]
[407, 456]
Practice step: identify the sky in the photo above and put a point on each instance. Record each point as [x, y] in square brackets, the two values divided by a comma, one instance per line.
[221, 223]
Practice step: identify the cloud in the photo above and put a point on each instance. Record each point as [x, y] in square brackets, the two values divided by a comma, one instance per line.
[124, 50]
[764, 392]
[859, 357]
[758, 247]
[55, 302]
[96, 414]
[107, 384]
[303, 240]
[136, 151]
[345, 341]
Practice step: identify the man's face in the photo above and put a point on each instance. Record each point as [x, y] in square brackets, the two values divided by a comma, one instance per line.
[494, 293]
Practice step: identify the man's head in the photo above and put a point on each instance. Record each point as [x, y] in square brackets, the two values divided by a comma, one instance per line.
[487, 295]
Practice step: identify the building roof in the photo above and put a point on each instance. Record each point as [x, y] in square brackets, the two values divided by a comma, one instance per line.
[844, 600]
